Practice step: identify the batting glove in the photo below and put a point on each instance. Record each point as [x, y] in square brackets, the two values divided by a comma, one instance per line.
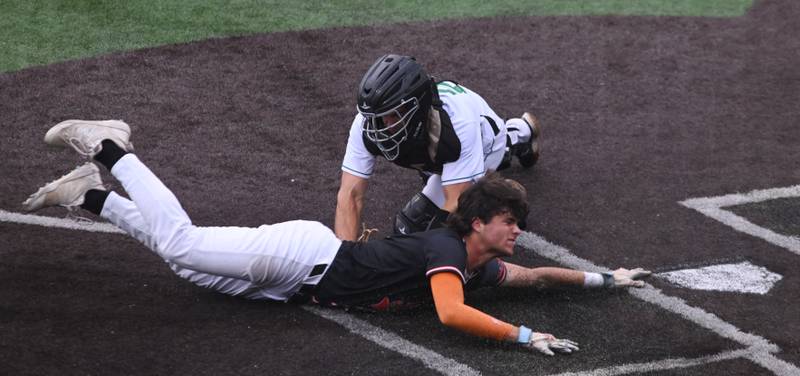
[629, 278]
[549, 345]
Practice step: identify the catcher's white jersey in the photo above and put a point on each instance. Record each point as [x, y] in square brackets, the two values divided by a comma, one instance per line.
[482, 146]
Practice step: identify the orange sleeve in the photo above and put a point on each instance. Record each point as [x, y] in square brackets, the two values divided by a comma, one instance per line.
[448, 296]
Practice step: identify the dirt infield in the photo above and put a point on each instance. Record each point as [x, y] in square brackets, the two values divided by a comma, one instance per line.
[639, 113]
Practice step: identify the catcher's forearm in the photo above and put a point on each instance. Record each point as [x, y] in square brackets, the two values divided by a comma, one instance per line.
[349, 203]
[346, 227]
[348, 217]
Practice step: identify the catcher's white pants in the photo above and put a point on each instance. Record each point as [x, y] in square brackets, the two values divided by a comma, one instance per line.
[517, 131]
[434, 189]
[268, 262]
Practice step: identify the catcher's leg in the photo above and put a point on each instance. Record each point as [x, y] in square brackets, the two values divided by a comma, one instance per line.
[524, 139]
[422, 212]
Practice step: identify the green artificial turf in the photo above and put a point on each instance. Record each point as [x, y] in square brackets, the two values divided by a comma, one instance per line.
[43, 32]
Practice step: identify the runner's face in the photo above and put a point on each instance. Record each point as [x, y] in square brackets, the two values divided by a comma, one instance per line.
[500, 234]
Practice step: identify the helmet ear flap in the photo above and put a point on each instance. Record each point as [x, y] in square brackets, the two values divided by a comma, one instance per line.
[426, 100]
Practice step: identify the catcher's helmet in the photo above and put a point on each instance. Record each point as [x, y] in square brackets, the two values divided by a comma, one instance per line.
[396, 89]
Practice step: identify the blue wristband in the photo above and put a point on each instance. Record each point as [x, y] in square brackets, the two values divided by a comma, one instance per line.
[524, 334]
[608, 280]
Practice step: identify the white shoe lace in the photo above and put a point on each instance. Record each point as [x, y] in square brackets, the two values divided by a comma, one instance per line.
[72, 211]
[80, 147]
[81, 220]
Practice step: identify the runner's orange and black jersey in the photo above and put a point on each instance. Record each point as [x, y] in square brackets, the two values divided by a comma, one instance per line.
[396, 271]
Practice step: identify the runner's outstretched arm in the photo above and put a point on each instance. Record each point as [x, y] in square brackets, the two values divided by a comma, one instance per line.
[549, 277]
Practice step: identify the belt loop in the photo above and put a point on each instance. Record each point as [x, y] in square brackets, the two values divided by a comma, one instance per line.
[317, 270]
[308, 290]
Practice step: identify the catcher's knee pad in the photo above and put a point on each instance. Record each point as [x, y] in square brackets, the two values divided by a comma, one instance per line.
[419, 214]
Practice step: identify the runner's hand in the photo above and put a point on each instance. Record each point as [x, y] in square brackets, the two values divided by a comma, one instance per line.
[549, 345]
[629, 278]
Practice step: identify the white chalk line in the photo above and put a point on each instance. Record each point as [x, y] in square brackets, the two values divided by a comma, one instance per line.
[770, 362]
[758, 195]
[778, 367]
[38, 220]
[660, 365]
[713, 207]
[391, 341]
[759, 349]
[648, 293]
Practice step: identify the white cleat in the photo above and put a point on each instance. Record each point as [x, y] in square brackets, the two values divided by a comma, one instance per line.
[67, 191]
[85, 136]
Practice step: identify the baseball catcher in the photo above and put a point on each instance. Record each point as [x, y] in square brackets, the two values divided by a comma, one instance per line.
[442, 129]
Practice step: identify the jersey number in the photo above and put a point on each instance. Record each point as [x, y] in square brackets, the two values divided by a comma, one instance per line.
[447, 87]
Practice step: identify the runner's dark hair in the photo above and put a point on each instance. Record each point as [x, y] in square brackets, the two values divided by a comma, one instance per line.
[489, 196]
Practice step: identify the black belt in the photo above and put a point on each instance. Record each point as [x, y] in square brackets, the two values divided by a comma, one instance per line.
[307, 291]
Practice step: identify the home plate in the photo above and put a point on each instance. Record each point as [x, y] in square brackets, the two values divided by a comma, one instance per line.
[741, 277]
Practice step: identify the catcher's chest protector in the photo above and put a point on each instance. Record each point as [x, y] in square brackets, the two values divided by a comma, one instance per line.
[427, 153]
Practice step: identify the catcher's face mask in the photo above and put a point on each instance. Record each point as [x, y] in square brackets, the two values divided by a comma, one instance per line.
[390, 128]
